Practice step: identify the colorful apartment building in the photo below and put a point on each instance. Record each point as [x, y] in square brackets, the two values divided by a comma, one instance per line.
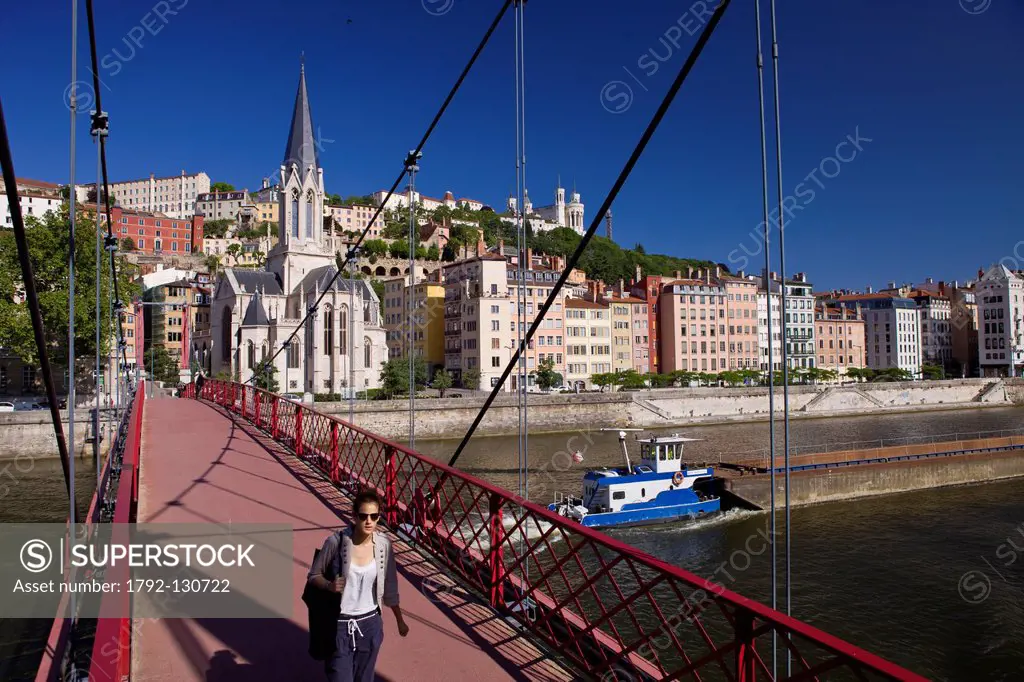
[693, 326]
[648, 289]
[36, 197]
[1000, 297]
[427, 326]
[356, 218]
[173, 196]
[483, 319]
[588, 342]
[840, 338]
[741, 313]
[157, 234]
[630, 343]
[708, 323]
[222, 205]
[169, 323]
[892, 330]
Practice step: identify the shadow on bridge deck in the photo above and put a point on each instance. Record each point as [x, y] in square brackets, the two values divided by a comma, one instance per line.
[203, 465]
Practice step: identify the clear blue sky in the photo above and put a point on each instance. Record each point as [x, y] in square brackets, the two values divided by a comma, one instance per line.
[937, 89]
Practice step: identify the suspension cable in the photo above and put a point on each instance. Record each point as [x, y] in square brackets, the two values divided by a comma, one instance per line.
[100, 127]
[687, 67]
[522, 200]
[521, 257]
[350, 254]
[411, 167]
[785, 350]
[771, 340]
[31, 297]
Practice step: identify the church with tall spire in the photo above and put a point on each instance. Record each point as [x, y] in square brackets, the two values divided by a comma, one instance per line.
[252, 313]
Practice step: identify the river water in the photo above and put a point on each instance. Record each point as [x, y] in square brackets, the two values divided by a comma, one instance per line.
[931, 580]
[35, 493]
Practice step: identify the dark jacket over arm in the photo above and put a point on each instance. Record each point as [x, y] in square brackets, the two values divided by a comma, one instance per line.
[321, 573]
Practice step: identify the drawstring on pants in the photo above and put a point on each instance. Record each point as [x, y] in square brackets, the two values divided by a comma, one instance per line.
[353, 628]
[353, 625]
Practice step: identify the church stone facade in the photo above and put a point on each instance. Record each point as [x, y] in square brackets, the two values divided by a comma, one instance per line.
[253, 313]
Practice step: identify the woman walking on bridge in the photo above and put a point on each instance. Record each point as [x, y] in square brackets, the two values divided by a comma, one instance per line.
[358, 563]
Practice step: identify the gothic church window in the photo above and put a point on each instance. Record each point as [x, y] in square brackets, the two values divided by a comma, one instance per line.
[295, 214]
[309, 215]
[328, 331]
[343, 330]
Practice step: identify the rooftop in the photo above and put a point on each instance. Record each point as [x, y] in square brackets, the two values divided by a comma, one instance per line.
[583, 303]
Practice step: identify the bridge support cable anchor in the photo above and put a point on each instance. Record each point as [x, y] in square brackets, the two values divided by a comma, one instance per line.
[684, 71]
[394, 186]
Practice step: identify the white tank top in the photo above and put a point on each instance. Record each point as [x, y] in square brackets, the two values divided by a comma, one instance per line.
[357, 598]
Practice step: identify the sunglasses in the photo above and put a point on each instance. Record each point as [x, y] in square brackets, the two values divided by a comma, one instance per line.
[368, 517]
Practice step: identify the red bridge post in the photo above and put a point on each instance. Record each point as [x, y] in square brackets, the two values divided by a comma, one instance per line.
[298, 430]
[334, 451]
[390, 493]
[258, 414]
[244, 391]
[273, 416]
[746, 661]
[494, 554]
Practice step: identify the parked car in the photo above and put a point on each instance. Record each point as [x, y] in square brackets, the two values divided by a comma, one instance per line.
[6, 407]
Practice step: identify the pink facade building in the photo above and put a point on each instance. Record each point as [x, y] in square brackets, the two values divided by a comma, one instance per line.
[708, 323]
[840, 339]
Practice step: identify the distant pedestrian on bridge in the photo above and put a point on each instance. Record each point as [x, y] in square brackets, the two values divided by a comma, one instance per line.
[200, 379]
[358, 563]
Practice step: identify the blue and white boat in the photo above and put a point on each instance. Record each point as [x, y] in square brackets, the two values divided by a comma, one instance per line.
[661, 489]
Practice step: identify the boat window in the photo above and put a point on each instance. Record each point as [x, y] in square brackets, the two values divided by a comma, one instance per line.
[643, 492]
[661, 453]
[620, 495]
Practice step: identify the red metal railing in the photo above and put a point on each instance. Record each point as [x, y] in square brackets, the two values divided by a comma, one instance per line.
[615, 612]
[115, 655]
[111, 654]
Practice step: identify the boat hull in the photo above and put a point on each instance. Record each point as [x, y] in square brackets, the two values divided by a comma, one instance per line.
[647, 516]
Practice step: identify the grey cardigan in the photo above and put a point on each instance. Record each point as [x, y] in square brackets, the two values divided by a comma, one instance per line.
[326, 566]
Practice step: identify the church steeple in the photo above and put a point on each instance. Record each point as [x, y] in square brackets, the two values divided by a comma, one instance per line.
[300, 246]
[302, 150]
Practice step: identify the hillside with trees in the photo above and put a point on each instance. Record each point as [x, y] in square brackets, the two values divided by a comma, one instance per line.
[604, 259]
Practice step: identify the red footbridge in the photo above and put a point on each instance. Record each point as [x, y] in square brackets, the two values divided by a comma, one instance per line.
[493, 586]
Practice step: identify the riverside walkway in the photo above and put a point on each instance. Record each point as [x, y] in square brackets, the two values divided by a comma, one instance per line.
[203, 464]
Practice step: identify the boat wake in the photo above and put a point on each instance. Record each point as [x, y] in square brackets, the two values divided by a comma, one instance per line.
[680, 527]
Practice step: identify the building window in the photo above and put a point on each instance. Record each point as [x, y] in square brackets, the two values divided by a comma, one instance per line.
[295, 216]
[366, 353]
[251, 354]
[343, 331]
[309, 217]
[328, 331]
[293, 355]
